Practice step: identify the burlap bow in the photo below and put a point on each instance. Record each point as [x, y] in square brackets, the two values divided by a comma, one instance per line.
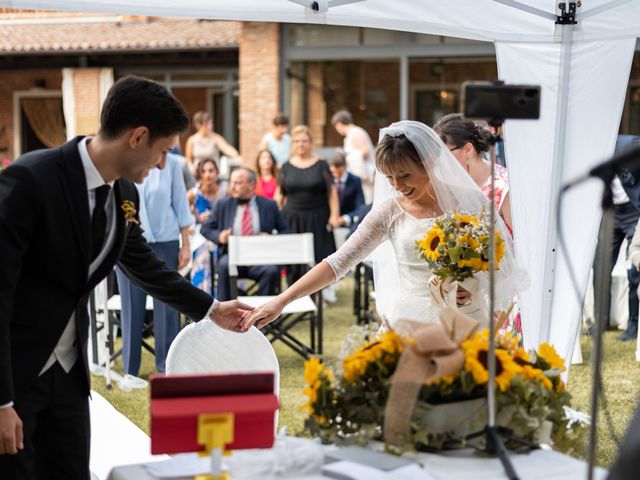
[435, 353]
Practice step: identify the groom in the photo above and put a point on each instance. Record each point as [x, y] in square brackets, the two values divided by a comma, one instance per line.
[67, 215]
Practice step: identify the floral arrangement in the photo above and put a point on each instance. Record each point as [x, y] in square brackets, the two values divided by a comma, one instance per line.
[349, 406]
[457, 246]
[4, 164]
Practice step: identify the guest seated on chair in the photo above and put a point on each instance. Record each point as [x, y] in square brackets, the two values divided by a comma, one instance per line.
[349, 188]
[244, 213]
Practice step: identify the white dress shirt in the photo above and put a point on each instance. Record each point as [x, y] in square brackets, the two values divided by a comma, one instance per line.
[617, 190]
[255, 218]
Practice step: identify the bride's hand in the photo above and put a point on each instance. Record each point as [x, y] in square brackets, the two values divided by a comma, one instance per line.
[463, 297]
[230, 315]
[265, 314]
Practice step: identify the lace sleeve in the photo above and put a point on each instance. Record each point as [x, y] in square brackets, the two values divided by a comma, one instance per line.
[373, 230]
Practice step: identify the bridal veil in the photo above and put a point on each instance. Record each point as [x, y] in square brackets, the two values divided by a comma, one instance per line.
[455, 191]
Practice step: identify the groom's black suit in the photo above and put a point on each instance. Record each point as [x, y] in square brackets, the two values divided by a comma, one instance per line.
[45, 250]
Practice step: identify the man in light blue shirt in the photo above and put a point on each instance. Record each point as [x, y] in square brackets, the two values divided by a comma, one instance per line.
[165, 218]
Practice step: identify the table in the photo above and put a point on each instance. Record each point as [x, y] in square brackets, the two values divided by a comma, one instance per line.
[457, 465]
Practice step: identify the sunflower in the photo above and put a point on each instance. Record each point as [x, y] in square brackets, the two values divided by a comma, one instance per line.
[356, 364]
[500, 248]
[445, 379]
[474, 263]
[550, 355]
[312, 369]
[463, 220]
[312, 393]
[476, 353]
[430, 243]
[314, 374]
[532, 373]
[468, 240]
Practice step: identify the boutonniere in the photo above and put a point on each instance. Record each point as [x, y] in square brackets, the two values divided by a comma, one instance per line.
[130, 211]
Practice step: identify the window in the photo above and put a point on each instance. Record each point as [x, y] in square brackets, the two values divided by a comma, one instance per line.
[633, 112]
[430, 105]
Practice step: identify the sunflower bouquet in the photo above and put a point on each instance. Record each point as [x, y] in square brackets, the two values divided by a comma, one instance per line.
[457, 246]
[349, 406]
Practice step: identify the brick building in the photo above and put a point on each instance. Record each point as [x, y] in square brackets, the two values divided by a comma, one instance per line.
[241, 72]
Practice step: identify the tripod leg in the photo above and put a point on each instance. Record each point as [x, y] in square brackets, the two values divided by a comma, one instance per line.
[495, 446]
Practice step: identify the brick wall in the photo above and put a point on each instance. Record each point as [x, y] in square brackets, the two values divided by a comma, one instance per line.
[258, 79]
[20, 80]
[317, 115]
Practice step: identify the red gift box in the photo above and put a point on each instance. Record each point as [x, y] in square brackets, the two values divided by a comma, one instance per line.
[178, 401]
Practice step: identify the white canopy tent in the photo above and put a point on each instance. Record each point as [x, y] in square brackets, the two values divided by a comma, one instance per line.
[583, 70]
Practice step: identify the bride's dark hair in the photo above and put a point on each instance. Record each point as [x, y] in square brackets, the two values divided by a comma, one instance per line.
[394, 152]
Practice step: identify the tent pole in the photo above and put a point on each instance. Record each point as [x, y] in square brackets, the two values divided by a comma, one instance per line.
[559, 148]
[404, 87]
[527, 8]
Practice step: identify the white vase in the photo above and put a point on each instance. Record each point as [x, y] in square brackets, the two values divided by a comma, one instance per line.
[455, 418]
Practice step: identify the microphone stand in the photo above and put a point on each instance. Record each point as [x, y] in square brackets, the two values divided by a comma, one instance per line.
[605, 171]
[605, 237]
[491, 432]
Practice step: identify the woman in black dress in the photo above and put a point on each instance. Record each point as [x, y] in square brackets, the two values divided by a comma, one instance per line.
[307, 196]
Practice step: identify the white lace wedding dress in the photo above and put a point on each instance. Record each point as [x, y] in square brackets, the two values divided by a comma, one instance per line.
[388, 221]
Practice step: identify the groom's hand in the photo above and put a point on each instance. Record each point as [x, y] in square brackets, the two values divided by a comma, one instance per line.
[230, 315]
[10, 431]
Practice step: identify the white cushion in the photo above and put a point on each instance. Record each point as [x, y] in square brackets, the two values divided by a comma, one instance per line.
[204, 347]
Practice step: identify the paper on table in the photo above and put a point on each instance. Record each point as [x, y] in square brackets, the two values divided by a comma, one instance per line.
[355, 471]
[182, 465]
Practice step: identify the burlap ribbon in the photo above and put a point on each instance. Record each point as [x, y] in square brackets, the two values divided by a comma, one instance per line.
[435, 353]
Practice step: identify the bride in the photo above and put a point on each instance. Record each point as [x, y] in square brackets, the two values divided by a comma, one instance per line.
[422, 180]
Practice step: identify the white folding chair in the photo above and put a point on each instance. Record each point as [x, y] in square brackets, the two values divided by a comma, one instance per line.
[286, 249]
[114, 306]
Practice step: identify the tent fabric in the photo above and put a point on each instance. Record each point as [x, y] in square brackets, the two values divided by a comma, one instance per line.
[585, 101]
[492, 21]
[598, 75]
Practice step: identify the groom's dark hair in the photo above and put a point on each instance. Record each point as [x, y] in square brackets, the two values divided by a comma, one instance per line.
[139, 102]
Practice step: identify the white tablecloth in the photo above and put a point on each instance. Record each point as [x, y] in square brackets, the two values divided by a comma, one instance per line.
[458, 465]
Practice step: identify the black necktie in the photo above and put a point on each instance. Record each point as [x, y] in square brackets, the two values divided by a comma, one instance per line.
[99, 221]
[340, 188]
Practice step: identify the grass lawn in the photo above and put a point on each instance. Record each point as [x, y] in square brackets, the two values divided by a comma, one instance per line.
[620, 375]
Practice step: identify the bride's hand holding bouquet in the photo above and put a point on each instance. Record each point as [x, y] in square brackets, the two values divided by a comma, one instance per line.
[457, 248]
